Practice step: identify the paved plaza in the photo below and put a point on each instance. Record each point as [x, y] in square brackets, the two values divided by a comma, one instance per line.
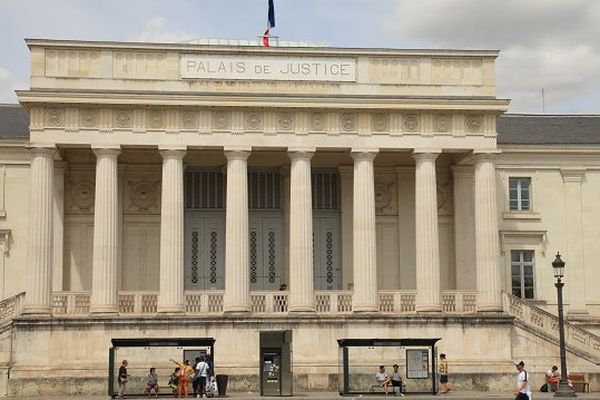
[335, 395]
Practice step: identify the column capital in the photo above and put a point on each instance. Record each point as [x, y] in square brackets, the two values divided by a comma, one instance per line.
[425, 154]
[42, 150]
[172, 153]
[363, 154]
[106, 150]
[237, 155]
[575, 174]
[301, 153]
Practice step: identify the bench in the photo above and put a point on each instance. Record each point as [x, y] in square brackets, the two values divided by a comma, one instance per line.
[391, 389]
[579, 383]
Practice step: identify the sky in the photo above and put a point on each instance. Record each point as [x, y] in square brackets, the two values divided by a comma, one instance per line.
[549, 44]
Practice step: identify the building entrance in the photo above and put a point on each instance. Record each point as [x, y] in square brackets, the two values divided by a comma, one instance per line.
[276, 363]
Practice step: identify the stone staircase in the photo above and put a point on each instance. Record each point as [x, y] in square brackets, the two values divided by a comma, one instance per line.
[10, 308]
[541, 323]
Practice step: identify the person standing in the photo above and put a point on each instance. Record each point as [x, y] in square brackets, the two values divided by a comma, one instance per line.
[443, 370]
[183, 378]
[523, 391]
[122, 378]
[202, 372]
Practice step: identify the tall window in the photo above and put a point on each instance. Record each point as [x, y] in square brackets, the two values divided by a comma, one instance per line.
[519, 191]
[521, 267]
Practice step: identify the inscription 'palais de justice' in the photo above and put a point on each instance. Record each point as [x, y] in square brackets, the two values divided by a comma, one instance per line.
[271, 68]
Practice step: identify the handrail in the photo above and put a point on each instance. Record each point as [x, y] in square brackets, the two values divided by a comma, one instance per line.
[577, 340]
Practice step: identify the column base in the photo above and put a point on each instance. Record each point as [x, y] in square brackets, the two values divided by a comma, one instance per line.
[37, 310]
[104, 310]
[364, 308]
[237, 309]
[489, 308]
[301, 309]
[176, 309]
[428, 308]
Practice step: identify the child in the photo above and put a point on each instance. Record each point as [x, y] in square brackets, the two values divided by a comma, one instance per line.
[152, 383]
[173, 380]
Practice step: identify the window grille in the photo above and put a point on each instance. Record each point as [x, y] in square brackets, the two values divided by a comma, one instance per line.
[204, 190]
[264, 190]
[325, 190]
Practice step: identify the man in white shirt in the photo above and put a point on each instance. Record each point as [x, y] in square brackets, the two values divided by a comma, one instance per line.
[523, 390]
[382, 378]
[201, 376]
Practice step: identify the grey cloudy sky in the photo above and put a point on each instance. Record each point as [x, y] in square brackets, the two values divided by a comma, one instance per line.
[551, 44]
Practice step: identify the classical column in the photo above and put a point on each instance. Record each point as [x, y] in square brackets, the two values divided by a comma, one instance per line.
[487, 251]
[301, 233]
[171, 298]
[574, 254]
[364, 257]
[464, 228]
[426, 233]
[39, 245]
[237, 284]
[346, 193]
[106, 235]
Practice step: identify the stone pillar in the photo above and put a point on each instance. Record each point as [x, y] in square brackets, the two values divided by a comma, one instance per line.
[58, 283]
[106, 235]
[171, 298]
[346, 193]
[237, 284]
[39, 245]
[464, 228]
[574, 254]
[364, 253]
[301, 232]
[426, 233]
[487, 252]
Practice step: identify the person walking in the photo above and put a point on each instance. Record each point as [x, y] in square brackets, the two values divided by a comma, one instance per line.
[123, 376]
[523, 390]
[443, 370]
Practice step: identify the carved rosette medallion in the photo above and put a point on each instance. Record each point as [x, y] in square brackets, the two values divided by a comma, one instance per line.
[88, 118]
[380, 122]
[156, 119]
[54, 117]
[442, 123]
[444, 194]
[385, 195]
[221, 120]
[410, 122]
[188, 119]
[349, 121]
[123, 119]
[285, 121]
[473, 123]
[317, 121]
[253, 121]
[143, 195]
[82, 196]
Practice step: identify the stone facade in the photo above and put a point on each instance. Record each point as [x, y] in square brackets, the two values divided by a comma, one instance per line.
[163, 205]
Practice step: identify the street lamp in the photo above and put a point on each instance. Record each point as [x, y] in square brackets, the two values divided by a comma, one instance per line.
[563, 390]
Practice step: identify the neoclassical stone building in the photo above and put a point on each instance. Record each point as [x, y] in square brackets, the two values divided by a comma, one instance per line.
[179, 190]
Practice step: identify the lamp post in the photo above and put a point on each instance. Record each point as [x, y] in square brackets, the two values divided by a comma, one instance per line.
[563, 390]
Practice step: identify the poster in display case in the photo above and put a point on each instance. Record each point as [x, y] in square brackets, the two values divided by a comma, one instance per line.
[417, 363]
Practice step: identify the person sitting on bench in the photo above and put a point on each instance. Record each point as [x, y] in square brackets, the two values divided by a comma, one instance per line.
[382, 378]
[396, 380]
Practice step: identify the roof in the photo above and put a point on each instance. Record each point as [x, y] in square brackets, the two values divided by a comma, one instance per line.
[14, 122]
[544, 129]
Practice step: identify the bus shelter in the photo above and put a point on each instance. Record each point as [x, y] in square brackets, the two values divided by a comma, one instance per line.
[360, 359]
[145, 353]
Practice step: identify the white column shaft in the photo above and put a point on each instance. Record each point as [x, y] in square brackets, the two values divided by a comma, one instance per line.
[39, 245]
[237, 283]
[486, 235]
[301, 231]
[364, 238]
[426, 234]
[171, 297]
[106, 235]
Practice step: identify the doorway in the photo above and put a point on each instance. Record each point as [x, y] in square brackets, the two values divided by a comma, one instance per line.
[276, 363]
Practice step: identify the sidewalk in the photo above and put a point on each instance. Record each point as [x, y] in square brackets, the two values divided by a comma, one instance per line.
[335, 395]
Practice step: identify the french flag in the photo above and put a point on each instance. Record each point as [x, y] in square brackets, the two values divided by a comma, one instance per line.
[270, 23]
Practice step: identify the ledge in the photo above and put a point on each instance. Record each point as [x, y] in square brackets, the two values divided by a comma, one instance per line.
[521, 215]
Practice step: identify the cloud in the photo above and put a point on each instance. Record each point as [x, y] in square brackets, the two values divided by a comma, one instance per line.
[544, 44]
